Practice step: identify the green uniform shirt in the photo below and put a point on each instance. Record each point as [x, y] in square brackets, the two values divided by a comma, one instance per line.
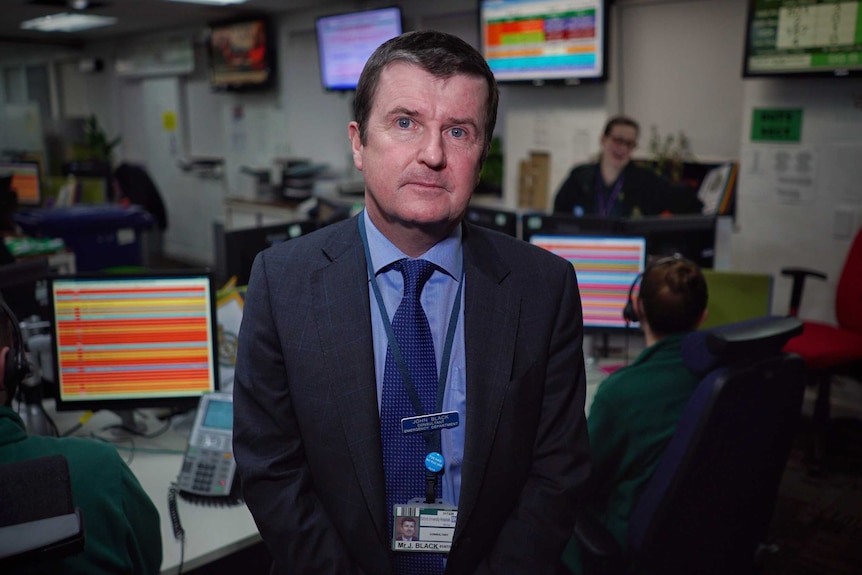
[632, 418]
[121, 524]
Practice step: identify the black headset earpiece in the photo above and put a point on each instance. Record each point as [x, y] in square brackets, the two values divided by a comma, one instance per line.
[16, 363]
[629, 313]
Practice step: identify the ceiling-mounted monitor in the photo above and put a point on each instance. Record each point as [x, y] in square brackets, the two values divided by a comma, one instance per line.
[813, 38]
[346, 41]
[538, 41]
[242, 55]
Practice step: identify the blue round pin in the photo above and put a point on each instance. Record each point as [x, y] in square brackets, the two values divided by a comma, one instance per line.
[434, 462]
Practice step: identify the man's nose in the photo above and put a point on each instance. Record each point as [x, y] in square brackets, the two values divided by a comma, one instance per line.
[432, 152]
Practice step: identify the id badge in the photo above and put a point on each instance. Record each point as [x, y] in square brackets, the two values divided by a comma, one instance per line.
[424, 527]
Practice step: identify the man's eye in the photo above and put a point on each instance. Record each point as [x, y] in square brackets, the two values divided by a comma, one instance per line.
[458, 132]
[404, 122]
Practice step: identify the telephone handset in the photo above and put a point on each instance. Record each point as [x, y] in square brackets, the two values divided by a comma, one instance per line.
[209, 469]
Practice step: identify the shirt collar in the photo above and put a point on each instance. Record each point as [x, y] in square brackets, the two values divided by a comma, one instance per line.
[445, 254]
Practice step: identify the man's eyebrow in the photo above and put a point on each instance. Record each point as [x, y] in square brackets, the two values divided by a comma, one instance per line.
[402, 111]
[464, 122]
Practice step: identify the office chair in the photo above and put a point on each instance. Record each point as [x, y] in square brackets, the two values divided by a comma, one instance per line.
[38, 521]
[830, 349]
[707, 507]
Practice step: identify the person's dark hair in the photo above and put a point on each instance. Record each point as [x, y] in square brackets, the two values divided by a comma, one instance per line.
[5, 328]
[440, 54]
[621, 121]
[673, 295]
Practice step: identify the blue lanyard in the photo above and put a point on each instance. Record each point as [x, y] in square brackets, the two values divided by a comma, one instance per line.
[607, 204]
[443, 373]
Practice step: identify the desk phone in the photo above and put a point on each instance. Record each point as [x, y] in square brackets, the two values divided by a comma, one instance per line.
[208, 467]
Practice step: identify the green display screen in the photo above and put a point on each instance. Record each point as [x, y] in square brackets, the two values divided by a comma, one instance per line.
[804, 37]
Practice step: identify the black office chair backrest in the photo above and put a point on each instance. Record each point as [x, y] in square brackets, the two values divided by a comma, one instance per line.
[138, 187]
[38, 520]
[709, 503]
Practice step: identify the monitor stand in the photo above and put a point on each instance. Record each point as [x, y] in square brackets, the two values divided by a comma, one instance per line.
[128, 423]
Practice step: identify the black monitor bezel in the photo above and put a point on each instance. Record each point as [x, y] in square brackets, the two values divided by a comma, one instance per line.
[557, 224]
[39, 178]
[599, 329]
[568, 81]
[179, 402]
[271, 55]
[747, 73]
[653, 227]
[476, 215]
[319, 41]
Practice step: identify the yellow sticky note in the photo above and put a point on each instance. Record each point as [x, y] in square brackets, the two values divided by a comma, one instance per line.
[169, 121]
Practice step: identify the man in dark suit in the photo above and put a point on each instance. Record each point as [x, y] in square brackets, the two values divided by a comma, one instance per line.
[505, 317]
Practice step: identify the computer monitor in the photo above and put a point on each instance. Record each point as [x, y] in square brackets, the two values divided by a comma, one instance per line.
[500, 220]
[128, 341]
[606, 266]
[26, 181]
[540, 223]
[692, 236]
[22, 286]
[237, 249]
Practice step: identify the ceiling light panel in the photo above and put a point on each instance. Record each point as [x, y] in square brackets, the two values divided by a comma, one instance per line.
[211, 2]
[65, 22]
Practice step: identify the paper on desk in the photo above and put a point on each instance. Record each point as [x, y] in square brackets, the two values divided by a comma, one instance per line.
[229, 317]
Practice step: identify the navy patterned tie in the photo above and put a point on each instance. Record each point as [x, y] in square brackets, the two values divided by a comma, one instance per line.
[404, 455]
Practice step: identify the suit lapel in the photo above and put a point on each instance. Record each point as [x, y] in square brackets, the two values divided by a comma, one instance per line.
[491, 313]
[340, 298]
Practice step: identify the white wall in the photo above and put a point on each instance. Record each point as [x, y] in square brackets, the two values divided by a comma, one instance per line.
[681, 70]
[675, 64]
[774, 231]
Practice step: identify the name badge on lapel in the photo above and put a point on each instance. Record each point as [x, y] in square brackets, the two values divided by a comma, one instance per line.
[430, 422]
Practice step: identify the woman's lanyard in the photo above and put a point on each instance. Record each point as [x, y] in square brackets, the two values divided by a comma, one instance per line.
[432, 439]
[606, 204]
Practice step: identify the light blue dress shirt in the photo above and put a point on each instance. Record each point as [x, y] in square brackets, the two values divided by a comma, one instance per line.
[438, 297]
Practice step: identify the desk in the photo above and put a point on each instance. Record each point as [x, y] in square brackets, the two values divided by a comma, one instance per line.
[211, 532]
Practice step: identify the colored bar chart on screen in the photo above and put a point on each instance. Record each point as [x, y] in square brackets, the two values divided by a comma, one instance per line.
[525, 39]
[125, 337]
[605, 268]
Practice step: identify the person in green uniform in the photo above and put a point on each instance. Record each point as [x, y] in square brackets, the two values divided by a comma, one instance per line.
[636, 409]
[121, 524]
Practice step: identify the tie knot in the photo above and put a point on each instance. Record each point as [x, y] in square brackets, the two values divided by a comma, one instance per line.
[416, 273]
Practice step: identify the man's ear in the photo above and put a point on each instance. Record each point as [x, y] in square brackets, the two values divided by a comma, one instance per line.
[355, 144]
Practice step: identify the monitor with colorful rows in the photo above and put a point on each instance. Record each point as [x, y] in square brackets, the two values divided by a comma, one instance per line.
[606, 267]
[126, 341]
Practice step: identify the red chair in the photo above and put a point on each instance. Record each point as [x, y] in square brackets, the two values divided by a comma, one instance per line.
[829, 349]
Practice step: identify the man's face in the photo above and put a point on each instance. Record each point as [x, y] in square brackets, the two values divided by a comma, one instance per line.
[617, 146]
[421, 158]
[408, 528]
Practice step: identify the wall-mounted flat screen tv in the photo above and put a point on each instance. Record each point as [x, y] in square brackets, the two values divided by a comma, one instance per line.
[346, 41]
[241, 55]
[812, 38]
[545, 40]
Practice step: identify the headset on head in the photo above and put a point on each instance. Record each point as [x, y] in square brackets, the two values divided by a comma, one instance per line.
[629, 313]
[17, 368]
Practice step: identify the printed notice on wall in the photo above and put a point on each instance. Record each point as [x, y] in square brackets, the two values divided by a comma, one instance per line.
[787, 174]
[842, 170]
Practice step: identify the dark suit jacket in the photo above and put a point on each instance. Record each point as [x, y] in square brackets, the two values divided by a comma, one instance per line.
[307, 429]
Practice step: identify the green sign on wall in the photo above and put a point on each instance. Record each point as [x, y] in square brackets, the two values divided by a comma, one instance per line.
[776, 125]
